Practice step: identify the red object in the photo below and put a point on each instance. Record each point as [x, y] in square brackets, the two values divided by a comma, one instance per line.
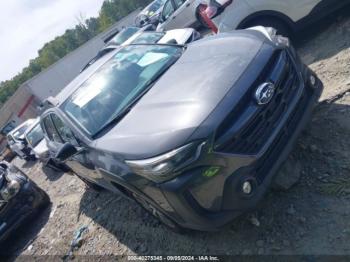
[207, 20]
[211, 11]
[26, 105]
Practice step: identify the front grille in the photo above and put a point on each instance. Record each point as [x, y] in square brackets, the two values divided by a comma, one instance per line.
[265, 163]
[252, 133]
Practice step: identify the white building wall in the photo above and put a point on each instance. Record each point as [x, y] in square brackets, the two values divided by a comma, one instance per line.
[52, 80]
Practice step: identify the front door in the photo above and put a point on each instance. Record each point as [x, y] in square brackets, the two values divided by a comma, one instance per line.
[185, 13]
[82, 162]
[168, 15]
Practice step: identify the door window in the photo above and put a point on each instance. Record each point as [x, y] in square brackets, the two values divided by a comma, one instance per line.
[64, 132]
[168, 10]
[50, 130]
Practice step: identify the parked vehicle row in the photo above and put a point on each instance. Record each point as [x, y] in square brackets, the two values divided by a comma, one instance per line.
[286, 16]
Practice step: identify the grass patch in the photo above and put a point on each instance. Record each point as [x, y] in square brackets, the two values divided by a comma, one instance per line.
[337, 187]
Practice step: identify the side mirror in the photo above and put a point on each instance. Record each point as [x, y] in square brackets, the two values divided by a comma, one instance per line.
[66, 151]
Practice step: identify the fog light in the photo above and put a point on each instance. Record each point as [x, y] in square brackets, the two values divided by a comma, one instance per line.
[247, 188]
[312, 80]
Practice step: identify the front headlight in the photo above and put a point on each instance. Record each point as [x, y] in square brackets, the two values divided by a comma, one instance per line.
[10, 190]
[166, 166]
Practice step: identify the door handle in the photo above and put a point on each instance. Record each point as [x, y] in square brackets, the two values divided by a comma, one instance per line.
[188, 4]
[173, 17]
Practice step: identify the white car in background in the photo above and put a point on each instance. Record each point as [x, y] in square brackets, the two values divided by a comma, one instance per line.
[176, 36]
[286, 16]
[36, 141]
[178, 14]
[17, 142]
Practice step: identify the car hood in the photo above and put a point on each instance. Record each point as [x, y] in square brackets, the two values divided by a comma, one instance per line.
[183, 97]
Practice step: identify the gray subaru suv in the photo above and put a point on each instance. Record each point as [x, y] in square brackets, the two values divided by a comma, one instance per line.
[193, 133]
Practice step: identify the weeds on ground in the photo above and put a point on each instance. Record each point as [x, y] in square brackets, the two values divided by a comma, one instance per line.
[337, 187]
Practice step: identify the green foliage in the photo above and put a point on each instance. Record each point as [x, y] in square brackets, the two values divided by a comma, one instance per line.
[337, 187]
[111, 12]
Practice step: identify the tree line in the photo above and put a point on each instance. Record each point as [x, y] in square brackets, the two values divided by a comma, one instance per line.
[111, 11]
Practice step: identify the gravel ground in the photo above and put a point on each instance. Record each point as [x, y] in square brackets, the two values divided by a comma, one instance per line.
[312, 218]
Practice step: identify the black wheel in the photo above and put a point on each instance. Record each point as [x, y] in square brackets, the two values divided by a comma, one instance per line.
[281, 27]
[157, 213]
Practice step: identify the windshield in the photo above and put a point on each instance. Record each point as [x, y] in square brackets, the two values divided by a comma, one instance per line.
[148, 38]
[117, 84]
[124, 35]
[35, 136]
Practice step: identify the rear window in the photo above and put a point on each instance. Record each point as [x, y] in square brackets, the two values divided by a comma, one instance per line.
[148, 38]
[124, 35]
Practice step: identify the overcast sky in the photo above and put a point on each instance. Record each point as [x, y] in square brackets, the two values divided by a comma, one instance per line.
[26, 25]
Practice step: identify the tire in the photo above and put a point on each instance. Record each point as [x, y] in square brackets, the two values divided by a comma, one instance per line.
[158, 214]
[281, 27]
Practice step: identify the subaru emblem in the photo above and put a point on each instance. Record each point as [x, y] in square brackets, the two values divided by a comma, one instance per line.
[264, 93]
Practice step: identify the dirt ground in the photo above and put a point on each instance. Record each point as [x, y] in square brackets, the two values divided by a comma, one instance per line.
[312, 218]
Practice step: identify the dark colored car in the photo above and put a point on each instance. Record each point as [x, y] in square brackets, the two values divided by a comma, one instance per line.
[20, 199]
[150, 14]
[193, 133]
